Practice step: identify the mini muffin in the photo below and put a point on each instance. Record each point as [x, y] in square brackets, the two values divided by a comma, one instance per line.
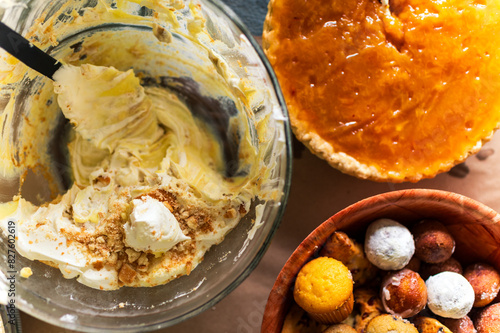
[461, 325]
[485, 281]
[368, 306]
[324, 289]
[450, 265]
[388, 324]
[430, 325]
[403, 293]
[488, 320]
[339, 246]
[433, 241]
[388, 244]
[340, 328]
[449, 295]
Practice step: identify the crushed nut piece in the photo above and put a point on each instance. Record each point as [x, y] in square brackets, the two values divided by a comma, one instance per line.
[143, 260]
[132, 255]
[127, 274]
[192, 222]
[169, 206]
[112, 259]
[230, 213]
[184, 214]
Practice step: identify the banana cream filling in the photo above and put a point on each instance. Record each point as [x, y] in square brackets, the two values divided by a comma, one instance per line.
[156, 180]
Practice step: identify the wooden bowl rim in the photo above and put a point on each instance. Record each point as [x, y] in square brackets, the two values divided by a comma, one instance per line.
[279, 297]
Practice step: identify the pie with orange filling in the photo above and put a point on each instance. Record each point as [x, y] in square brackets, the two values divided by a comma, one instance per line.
[388, 92]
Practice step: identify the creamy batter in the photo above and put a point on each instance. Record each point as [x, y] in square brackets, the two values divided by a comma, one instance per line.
[152, 190]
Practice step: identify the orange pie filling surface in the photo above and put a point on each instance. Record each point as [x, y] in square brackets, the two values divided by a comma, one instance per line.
[407, 89]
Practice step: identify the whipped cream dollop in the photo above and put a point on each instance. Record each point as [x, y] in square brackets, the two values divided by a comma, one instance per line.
[152, 227]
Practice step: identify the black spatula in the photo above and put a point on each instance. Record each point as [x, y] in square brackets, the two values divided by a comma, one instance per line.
[22, 49]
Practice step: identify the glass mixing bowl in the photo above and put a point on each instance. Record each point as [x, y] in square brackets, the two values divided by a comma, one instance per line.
[175, 60]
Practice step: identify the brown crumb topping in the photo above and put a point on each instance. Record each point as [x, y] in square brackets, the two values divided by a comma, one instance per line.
[104, 243]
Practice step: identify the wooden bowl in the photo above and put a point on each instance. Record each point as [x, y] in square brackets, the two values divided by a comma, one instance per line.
[474, 226]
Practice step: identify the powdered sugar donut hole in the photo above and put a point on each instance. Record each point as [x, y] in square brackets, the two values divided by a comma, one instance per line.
[389, 245]
[449, 295]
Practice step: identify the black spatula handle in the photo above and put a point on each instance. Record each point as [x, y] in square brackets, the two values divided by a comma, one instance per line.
[22, 49]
